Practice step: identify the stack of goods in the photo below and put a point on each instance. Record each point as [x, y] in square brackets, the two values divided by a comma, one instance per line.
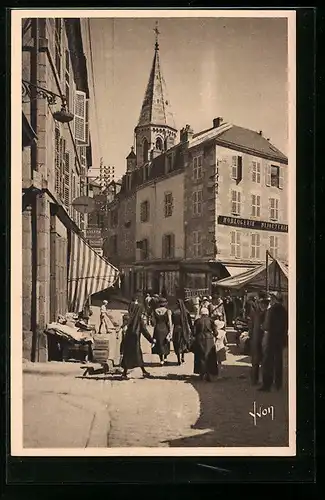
[101, 348]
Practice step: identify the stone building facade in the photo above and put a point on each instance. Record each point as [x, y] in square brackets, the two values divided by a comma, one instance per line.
[236, 201]
[224, 191]
[54, 168]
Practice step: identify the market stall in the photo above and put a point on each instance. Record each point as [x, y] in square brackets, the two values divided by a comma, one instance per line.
[271, 275]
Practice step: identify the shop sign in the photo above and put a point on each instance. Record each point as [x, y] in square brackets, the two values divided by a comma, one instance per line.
[93, 233]
[96, 243]
[252, 224]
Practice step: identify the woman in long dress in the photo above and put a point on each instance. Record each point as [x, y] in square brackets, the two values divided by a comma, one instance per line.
[162, 330]
[182, 329]
[131, 344]
[205, 356]
[220, 341]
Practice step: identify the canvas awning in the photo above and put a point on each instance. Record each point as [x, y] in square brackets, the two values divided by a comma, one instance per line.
[255, 279]
[234, 271]
[88, 273]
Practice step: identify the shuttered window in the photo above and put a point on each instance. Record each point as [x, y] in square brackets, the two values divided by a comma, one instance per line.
[235, 202]
[255, 246]
[268, 175]
[57, 160]
[168, 246]
[274, 246]
[67, 180]
[57, 44]
[256, 205]
[197, 197]
[237, 168]
[87, 123]
[256, 172]
[168, 207]
[281, 180]
[80, 116]
[274, 208]
[235, 244]
[197, 243]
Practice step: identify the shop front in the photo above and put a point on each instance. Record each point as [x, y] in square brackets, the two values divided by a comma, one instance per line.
[200, 275]
[161, 278]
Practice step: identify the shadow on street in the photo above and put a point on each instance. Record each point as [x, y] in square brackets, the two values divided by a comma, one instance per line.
[225, 406]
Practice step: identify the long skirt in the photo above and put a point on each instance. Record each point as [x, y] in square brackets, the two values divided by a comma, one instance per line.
[131, 351]
[162, 345]
[205, 356]
[179, 342]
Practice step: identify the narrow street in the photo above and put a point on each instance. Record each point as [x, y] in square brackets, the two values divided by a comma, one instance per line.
[173, 409]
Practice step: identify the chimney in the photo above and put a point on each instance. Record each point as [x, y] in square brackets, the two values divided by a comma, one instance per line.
[186, 134]
[261, 132]
[217, 122]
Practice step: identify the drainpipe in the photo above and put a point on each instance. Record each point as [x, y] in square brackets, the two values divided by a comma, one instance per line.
[34, 166]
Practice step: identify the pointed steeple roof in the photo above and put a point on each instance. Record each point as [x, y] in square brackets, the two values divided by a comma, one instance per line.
[156, 107]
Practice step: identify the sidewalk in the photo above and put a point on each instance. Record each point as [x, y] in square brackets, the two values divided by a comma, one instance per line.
[65, 411]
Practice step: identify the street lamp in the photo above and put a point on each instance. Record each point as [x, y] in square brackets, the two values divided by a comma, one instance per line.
[35, 91]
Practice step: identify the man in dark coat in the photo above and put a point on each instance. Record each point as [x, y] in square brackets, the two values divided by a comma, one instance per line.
[274, 341]
[256, 335]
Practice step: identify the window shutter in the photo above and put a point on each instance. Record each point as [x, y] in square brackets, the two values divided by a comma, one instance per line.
[163, 247]
[234, 168]
[62, 167]
[172, 246]
[80, 116]
[238, 244]
[57, 160]
[67, 180]
[281, 177]
[239, 168]
[87, 123]
[268, 175]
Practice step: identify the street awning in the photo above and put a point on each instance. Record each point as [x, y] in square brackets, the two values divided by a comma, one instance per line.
[256, 278]
[88, 273]
[234, 271]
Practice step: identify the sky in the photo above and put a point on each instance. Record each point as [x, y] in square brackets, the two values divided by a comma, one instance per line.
[235, 68]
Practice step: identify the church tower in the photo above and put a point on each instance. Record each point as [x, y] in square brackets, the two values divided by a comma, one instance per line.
[155, 131]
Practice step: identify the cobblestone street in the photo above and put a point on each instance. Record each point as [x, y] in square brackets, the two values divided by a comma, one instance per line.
[173, 409]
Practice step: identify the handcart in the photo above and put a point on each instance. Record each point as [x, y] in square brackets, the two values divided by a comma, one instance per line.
[104, 354]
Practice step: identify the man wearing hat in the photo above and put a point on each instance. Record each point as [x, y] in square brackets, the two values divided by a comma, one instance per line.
[256, 335]
[104, 318]
[274, 340]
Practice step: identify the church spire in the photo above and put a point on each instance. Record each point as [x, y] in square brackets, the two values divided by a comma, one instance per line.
[157, 34]
[156, 108]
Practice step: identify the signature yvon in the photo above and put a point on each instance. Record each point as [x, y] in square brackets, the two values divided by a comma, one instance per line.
[259, 412]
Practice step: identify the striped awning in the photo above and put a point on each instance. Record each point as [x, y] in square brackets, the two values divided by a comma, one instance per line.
[88, 273]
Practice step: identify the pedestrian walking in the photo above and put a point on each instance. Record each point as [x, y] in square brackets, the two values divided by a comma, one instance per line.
[216, 308]
[134, 302]
[229, 310]
[220, 341]
[182, 330]
[162, 330]
[274, 341]
[104, 318]
[205, 303]
[196, 307]
[131, 346]
[148, 308]
[205, 356]
[256, 335]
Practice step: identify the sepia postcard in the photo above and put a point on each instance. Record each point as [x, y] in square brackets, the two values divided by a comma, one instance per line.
[153, 232]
